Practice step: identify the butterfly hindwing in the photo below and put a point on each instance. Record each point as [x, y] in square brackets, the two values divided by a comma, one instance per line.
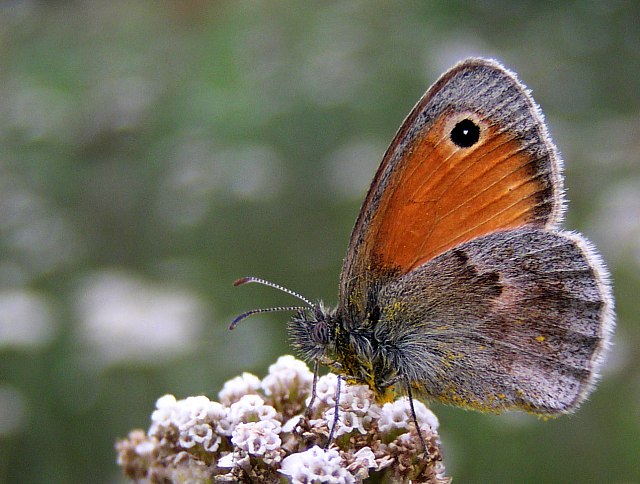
[514, 319]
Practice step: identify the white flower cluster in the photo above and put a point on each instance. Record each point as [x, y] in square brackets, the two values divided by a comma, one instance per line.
[356, 410]
[257, 432]
[316, 464]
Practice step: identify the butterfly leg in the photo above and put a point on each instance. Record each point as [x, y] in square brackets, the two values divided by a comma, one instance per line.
[415, 418]
[335, 413]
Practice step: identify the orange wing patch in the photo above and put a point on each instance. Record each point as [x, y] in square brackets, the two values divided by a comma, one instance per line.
[443, 195]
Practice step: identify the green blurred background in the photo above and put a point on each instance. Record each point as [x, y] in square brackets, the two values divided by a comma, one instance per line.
[152, 151]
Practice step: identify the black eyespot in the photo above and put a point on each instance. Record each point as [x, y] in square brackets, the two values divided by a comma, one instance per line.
[465, 134]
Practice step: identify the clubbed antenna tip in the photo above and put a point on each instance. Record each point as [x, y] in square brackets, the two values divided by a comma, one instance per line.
[241, 281]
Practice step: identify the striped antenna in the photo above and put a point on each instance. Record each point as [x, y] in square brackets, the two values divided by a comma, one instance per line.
[235, 322]
[245, 280]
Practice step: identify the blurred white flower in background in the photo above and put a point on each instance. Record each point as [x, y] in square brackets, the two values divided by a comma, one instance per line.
[25, 319]
[37, 237]
[351, 167]
[123, 318]
[12, 410]
[200, 171]
[38, 110]
[617, 225]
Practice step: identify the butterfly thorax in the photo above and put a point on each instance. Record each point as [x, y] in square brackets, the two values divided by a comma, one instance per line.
[320, 334]
[360, 356]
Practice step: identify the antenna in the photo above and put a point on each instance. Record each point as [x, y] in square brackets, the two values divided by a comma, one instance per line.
[245, 280]
[235, 322]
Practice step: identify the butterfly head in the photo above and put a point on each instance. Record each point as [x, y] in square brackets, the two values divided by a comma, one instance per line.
[322, 335]
[313, 333]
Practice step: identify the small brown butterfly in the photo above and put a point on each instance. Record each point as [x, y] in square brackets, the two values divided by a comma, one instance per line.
[459, 283]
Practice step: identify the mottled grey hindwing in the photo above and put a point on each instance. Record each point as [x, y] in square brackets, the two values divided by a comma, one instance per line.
[514, 319]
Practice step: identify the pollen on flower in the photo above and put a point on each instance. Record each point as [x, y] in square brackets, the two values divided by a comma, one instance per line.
[259, 432]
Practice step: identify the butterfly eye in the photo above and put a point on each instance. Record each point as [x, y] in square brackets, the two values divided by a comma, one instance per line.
[465, 133]
[320, 333]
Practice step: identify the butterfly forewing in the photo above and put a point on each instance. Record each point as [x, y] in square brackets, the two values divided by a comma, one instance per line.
[434, 191]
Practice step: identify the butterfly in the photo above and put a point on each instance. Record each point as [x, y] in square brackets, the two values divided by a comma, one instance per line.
[459, 283]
